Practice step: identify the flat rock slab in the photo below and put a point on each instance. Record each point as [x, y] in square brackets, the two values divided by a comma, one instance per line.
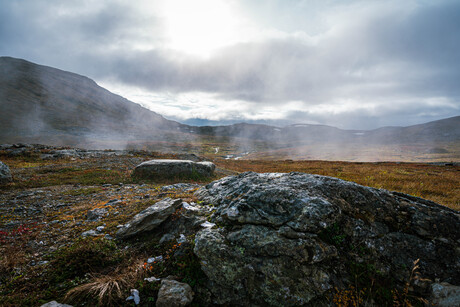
[173, 169]
[149, 218]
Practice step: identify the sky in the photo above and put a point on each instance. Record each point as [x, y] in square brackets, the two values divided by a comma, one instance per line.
[349, 64]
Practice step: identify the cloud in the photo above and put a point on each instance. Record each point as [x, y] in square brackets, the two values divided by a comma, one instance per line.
[363, 63]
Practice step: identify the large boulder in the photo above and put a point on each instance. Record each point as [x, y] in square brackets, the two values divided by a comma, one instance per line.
[149, 218]
[5, 173]
[155, 169]
[174, 293]
[291, 239]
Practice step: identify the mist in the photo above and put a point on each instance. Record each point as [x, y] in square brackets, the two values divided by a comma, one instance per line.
[45, 105]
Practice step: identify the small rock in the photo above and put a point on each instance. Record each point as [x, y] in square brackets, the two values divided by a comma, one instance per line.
[155, 259]
[149, 218]
[134, 296]
[100, 228]
[55, 304]
[5, 173]
[187, 206]
[166, 238]
[183, 187]
[152, 279]
[91, 233]
[95, 214]
[181, 239]
[174, 293]
[208, 225]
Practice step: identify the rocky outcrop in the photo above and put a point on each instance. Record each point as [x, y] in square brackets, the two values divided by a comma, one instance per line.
[5, 173]
[290, 239]
[149, 218]
[174, 293]
[445, 295]
[160, 168]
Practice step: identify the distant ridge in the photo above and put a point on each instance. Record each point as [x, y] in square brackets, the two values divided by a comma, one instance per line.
[444, 130]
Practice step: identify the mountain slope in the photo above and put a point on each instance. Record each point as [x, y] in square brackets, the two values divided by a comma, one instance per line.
[40, 100]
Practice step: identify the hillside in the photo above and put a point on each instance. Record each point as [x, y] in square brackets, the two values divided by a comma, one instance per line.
[445, 130]
[39, 101]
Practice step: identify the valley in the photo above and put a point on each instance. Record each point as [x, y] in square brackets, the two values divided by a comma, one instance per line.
[45, 105]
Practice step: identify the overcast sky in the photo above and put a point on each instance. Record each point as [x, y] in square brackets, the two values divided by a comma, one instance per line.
[350, 64]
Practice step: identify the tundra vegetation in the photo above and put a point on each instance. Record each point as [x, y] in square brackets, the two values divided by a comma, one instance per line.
[43, 214]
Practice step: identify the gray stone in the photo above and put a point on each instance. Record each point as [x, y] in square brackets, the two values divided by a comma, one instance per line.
[174, 293]
[167, 238]
[208, 225]
[184, 187]
[445, 295]
[55, 304]
[152, 279]
[96, 214]
[149, 218]
[181, 239]
[286, 239]
[5, 173]
[134, 296]
[155, 259]
[173, 169]
[90, 233]
[65, 153]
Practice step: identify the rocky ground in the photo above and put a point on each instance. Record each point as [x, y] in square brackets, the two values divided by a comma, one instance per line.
[62, 198]
[76, 227]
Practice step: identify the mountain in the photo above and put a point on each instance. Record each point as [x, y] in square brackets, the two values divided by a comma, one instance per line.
[41, 101]
[444, 130]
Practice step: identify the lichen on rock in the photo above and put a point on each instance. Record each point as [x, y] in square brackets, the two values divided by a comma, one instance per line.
[288, 239]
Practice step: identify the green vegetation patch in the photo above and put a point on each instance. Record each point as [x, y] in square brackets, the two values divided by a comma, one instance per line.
[82, 257]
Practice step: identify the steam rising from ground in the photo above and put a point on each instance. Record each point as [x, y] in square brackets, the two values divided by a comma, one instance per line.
[45, 105]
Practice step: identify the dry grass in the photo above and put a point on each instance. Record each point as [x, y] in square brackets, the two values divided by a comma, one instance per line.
[440, 184]
[107, 289]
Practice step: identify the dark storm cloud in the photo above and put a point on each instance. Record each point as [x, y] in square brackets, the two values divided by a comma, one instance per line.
[67, 34]
[394, 60]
